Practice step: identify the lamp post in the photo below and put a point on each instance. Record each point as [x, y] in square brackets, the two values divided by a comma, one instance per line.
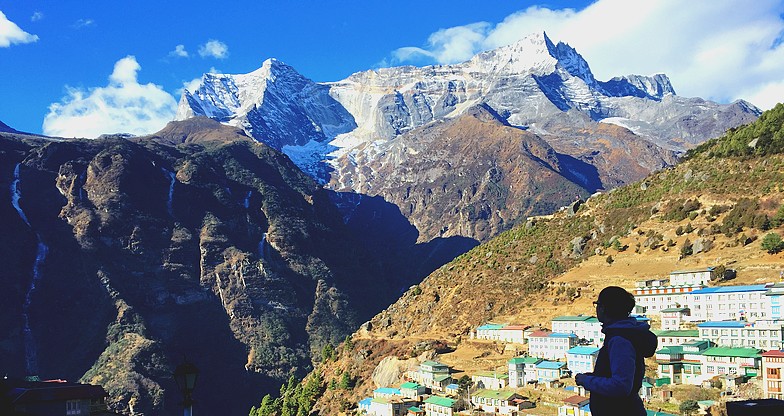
[185, 375]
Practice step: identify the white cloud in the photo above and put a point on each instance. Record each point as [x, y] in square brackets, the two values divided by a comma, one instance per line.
[215, 49]
[717, 50]
[11, 34]
[123, 106]
[83, 23]
[36, 16]
[179, 52]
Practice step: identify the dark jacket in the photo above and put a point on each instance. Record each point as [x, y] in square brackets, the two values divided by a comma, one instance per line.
[620, 368]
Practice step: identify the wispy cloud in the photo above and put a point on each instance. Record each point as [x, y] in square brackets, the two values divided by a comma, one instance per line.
[36, 16]
[11, 34]
[717, 50]
[123, 106]
[82, 23]
[179, 52]
[214, 49]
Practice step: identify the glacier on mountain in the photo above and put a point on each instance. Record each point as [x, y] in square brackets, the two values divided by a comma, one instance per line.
[525, 84]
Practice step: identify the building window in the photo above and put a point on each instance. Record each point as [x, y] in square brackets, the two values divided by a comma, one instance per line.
[73, 407]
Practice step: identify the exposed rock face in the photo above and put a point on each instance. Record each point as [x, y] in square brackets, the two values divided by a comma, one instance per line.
[222, 251]
[347, 133]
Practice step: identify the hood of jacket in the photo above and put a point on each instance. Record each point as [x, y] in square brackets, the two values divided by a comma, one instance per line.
[638, 333]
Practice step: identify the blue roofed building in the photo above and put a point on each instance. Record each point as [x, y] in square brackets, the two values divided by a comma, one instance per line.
[581, 359]
[724, 303]
[766, 334]
[547, 371]
[386, 392]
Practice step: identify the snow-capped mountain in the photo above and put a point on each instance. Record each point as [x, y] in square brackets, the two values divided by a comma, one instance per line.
[528, 84]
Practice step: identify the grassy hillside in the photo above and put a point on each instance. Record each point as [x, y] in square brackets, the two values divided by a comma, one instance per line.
[711, 210]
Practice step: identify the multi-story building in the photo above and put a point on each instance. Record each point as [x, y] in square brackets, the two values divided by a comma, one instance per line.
[676, 337]
[517, 370]
[547, 371]
[773, 374]
[489, 331]
[775, 296]
[434, 374]
[699, 277]
[671, 318]
[763, 334]
[575, 406]
[682, 364]
[550, 345]
[490, 380]
[586, 327]
[653, 295]
[581, 359]
[496, 401]
[440, 406]
[730, 303]
[719, 361]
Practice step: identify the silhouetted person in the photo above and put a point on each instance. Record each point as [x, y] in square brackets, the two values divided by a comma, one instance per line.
[620, 367]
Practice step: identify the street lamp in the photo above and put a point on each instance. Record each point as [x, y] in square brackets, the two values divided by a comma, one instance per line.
[185, 375]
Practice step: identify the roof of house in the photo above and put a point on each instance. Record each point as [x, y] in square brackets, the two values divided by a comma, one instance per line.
[440, 401]
[414, 409]
[722, 324]
[453, 386]
[583, 350]
[387, 390]
[366, 401]
[674, 310]
[524, 360]
[741, 352]
[410, 385]
[490, 326]
[550, 365]
[540, 334]
[675, 349]
[729, 289]
[646, 384]
[440, 378]
[570, 318]
[495, 394]
[431, 363]
[562, 335]
[576, 400]
[38, 391]
[491, 374]
[773, 353]
[677, 333]
[707, 269]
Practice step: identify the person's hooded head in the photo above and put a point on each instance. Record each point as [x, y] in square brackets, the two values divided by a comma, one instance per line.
[614, 303]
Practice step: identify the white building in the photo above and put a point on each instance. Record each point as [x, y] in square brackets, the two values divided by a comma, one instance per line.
[496, 402]
[489, 331]
[730, 303]
[550, 345]
[763, 334]
[699, 277]
[655, 298]
[581, 359]
[490, 380]
[512, 333]
[584, 326]
[676, 337]
[517, 370]
[671, 318]
[440, 406]
[719, 361]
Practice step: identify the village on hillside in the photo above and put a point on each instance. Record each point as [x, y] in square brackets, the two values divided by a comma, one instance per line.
[728, 337]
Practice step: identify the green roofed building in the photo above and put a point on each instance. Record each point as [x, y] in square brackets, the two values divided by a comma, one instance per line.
[496, 401]
[719, 361]
[440, 406]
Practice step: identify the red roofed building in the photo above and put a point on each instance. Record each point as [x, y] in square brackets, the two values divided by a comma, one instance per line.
[575, 405]
[773, 374]
[52, 398]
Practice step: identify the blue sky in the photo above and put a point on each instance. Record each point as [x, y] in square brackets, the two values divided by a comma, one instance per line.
[82, 67]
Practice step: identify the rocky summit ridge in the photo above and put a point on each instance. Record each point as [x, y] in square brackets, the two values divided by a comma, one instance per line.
[527, 83]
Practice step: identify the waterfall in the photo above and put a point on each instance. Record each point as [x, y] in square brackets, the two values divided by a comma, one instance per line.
[247, 199]
[31, 353]
[16, 195]
[173, 180]
[263, 246]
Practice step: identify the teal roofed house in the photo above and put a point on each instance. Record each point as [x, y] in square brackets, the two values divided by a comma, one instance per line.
[386, 392]
[719, 361]
[489, 331]
[548, 371]
[434, 374]
[581, 359]
[490, 380]
[522, 370]
[413, 390]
